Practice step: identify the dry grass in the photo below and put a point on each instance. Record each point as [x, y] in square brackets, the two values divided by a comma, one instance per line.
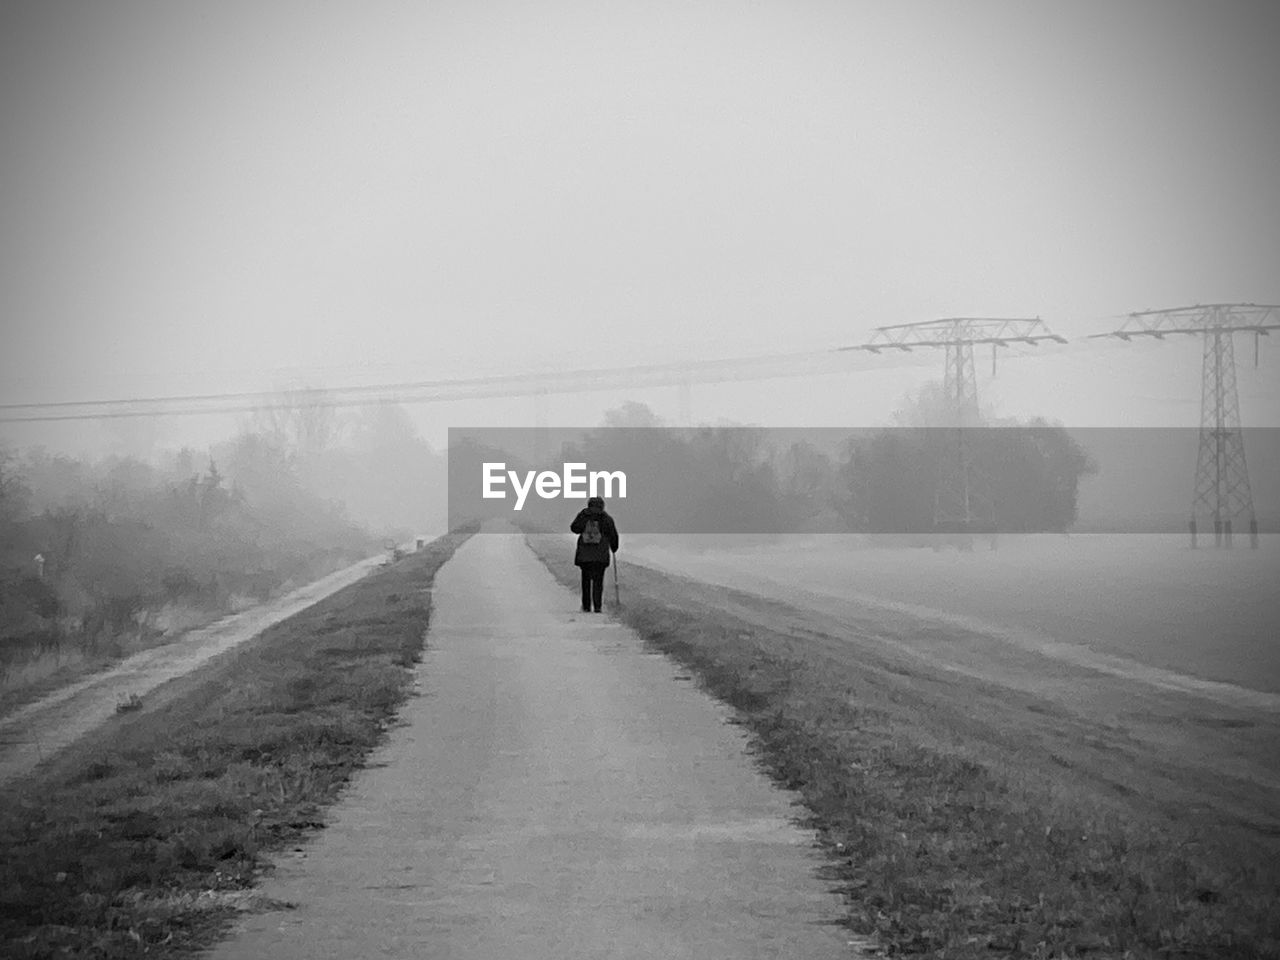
[37, 672]
[951, 833]
[33, 676]
[146, 836]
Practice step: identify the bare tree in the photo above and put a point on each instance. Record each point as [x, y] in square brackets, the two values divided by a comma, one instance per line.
[302, 420]
[66, 526]
[14, 492]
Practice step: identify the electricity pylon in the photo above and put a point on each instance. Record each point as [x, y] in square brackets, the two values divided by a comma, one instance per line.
[962, 500]
[1221, 492]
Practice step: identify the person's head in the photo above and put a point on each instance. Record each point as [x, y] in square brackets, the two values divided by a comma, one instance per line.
[595, 503]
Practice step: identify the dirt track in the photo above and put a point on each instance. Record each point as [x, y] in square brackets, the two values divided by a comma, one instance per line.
[39, 730]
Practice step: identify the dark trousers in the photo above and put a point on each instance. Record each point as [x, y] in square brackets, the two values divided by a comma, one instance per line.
[592, 585]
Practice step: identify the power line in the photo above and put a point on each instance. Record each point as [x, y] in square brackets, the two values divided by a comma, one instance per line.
[1019, 338]
[428, 391]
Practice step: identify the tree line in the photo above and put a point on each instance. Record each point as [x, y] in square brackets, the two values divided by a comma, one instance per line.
[1024, 477]
[99, 553]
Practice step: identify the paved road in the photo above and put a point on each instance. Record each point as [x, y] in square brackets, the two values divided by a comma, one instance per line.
[40, 729]
[555, 792]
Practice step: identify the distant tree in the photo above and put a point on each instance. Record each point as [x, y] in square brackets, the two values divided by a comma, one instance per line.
[735, 488]
[810, 487]
[184, 462]
[260, 466]
[119, 536]
[707, 480]
[122, 485]
[1031, 471]
[1035, 471]
[66, 526]
[15, 495]
[632, 414]
[929, 406]
[654, 460]
[388, 475]
[57, 481]
[890, 478]
[212, 498]
[301, 421]
[382, 428]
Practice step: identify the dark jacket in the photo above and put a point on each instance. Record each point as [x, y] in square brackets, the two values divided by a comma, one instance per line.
[594, 552]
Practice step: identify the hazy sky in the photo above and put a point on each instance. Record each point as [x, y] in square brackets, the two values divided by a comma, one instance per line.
[231, 195]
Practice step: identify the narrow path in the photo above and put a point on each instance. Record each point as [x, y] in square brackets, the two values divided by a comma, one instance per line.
[555, 792]
[40, 729]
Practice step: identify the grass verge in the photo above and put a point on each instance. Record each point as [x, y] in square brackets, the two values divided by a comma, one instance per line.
[71, 649]
[145, 837]
[942, 848]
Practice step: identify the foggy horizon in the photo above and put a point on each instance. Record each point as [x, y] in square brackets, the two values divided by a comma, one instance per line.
[262, 197]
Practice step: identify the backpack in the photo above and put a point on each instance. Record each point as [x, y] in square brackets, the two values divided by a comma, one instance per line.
[591, 532]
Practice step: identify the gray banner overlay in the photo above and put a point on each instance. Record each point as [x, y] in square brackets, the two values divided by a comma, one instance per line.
[749, 480]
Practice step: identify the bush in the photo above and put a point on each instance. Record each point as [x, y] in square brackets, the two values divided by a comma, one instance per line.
[30, 594]
[112, 616]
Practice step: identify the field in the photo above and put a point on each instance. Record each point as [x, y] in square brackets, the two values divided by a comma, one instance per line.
[1159, 664]
[1146, 599]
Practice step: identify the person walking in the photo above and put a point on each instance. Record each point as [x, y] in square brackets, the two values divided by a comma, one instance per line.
[597, 540]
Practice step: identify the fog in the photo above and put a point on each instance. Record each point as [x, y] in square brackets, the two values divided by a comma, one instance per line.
[251, 199]
[258, 196]
[264, 266]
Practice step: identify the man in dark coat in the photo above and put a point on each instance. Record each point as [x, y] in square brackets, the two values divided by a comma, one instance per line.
[597, 540]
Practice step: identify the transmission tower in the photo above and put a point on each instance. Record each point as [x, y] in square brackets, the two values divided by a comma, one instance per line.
[962, 500]
[1221, 493]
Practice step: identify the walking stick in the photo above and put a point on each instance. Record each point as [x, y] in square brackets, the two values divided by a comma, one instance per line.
[617, 602]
